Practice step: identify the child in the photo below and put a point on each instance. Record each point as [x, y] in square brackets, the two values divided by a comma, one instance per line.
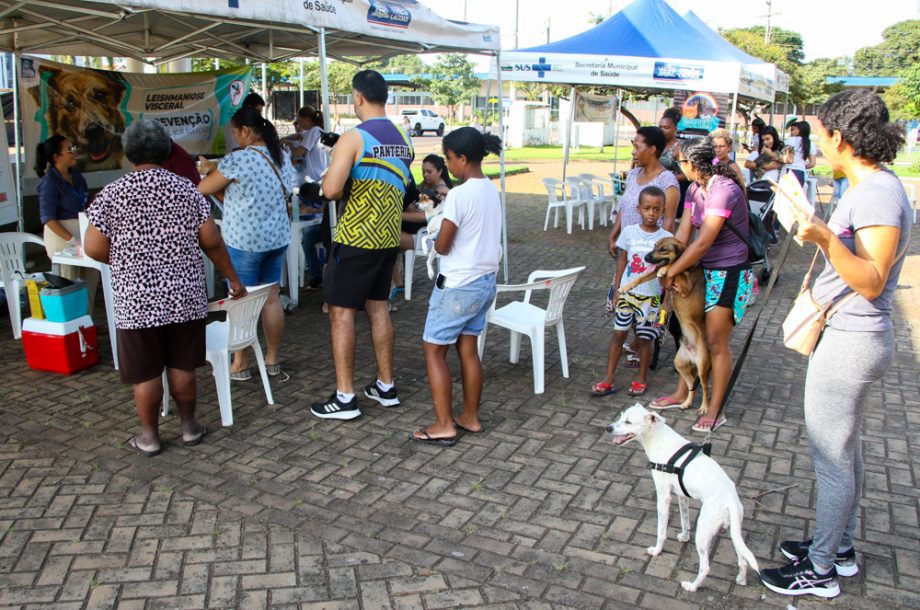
[470, 247]
[639, 307]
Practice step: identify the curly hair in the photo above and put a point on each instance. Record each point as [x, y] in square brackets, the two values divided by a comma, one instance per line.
[673, 114]
[702, 157]
[653, 136]
[862, 119]
[471, 143]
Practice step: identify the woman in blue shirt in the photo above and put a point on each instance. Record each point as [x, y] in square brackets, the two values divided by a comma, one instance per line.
[62, 195]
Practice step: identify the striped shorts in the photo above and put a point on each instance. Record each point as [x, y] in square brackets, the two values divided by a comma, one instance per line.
[639, 312]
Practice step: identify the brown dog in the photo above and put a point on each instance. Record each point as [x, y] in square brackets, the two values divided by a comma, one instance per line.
[83, 106]
[689, 302]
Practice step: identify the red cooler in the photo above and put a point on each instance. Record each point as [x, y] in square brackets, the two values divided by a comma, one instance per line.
[60, 347]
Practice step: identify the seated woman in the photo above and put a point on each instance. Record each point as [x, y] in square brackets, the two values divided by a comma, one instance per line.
[434, 178]
[766, 162]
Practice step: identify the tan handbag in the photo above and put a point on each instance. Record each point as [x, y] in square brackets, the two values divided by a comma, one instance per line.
[806, 321]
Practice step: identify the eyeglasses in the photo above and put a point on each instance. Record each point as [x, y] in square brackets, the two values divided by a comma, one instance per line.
[682, 161]
[71, 149]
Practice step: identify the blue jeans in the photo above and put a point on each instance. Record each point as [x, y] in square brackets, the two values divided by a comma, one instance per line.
[312, 235]
[459, 311]
[254, 268]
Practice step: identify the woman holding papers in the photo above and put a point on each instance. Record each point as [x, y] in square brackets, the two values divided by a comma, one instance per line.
[863, 244]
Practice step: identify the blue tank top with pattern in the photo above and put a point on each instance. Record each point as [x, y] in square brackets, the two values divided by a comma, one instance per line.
[374, 205]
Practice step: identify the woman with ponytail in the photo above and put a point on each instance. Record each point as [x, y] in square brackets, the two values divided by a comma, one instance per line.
[470, 247]
[718, 215]
[62, 195]
[256, 182]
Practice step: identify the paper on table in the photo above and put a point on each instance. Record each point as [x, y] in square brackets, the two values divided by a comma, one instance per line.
[790, 202]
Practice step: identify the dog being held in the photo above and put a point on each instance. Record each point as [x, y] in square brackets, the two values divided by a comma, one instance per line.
[688, 301]
[429, 203]
[703, 479]
[84, 107]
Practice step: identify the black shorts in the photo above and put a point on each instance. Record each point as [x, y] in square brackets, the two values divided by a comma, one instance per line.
[355, 275]
[144, 352]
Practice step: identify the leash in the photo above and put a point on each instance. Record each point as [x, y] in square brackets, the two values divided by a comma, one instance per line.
[736, 370]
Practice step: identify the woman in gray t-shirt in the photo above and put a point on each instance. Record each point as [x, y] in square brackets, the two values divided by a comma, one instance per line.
[864, 244]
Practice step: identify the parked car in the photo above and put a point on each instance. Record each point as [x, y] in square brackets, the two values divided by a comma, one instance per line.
[421, 120]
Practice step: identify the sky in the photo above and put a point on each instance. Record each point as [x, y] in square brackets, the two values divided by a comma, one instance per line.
[829, 28]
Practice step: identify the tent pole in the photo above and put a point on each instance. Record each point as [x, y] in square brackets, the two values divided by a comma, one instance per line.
[485, 115]
[16, 125]
[568, 135]
[616, 133]
[300, 66]
[264, 88]
[324, 78]
[501, 167]
[731, 123]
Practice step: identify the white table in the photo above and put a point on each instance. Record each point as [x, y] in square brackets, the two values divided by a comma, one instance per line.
[106, 275]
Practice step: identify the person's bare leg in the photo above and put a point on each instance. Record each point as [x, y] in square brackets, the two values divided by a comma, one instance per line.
[342, 329]
[378, 314]
[273, 324]
[719, 326]
[148, 396]
[441, 384]
[183, 387]
[613, 354]
[471, 372]
[645, 355]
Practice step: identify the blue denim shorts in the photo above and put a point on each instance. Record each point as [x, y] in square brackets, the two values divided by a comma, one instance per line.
[459, 311]
[254, 268]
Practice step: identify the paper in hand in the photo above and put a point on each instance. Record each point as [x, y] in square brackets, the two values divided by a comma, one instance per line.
[791, 203]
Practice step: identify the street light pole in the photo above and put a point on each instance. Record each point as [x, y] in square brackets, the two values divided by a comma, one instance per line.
[517, 25]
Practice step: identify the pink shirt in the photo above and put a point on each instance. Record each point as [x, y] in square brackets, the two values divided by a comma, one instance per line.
[726, 199]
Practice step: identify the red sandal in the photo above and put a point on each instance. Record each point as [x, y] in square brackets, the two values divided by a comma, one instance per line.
[602, 389]
[637, 389]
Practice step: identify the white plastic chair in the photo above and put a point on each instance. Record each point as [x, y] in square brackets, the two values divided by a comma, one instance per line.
[12, 247]
[409, 261]
[523, 317]
[911, 197]
[237, 332]
[600, 199]
[564, 194]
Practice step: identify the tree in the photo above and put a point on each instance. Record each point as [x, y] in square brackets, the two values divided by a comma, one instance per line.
[452, 81]
[400, 64]
[903, 99]
[899, 49]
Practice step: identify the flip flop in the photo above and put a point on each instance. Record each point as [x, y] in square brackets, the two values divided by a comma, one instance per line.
[197, 440]
[273, 370]
[637, 389]
[144, 452]
[705, 424]
[632, 362]
[441, 442]
[664, 402]
[465, 429]
[244, 375]
[602, 389]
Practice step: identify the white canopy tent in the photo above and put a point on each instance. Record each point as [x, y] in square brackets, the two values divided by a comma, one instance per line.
[161, 31]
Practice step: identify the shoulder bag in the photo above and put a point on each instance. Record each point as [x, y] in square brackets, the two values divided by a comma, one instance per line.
[806, 321]
[284, 192]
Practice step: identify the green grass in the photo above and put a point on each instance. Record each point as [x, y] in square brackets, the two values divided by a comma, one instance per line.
[491, 171]
[554, 153]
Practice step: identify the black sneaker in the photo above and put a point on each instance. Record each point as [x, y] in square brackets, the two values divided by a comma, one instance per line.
[386, 399]
[333, 408]
[797, 551]
[800, 578]
[315, 283]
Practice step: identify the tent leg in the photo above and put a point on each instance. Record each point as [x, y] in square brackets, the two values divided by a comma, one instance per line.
[324, 78]
[568, 135]
[616, 133]
[16, 125]
[300, 88]
[731, 124]
[501, 167]
[485, 115]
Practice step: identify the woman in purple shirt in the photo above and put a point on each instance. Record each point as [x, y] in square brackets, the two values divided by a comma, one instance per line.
[718, 214]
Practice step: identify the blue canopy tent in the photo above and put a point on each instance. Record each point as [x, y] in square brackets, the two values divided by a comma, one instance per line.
[647, 45]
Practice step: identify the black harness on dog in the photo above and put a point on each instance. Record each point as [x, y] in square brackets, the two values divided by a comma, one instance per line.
[691, 450]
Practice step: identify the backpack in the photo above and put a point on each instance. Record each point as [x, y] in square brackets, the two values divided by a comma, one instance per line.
[758, 237]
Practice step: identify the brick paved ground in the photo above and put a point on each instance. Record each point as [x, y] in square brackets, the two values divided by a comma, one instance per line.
[541, 511]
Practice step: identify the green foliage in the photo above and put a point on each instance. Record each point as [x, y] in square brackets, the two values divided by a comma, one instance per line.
[899, 49]
[903, 99]
[452, 81]
[401, 64]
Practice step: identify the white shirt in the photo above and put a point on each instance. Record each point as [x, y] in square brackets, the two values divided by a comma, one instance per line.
[798, 162]
[475, 207]
[315, 158]
[636, 243]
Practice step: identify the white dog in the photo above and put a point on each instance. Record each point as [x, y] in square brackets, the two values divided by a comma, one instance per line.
[701, 478]
[434, 216]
